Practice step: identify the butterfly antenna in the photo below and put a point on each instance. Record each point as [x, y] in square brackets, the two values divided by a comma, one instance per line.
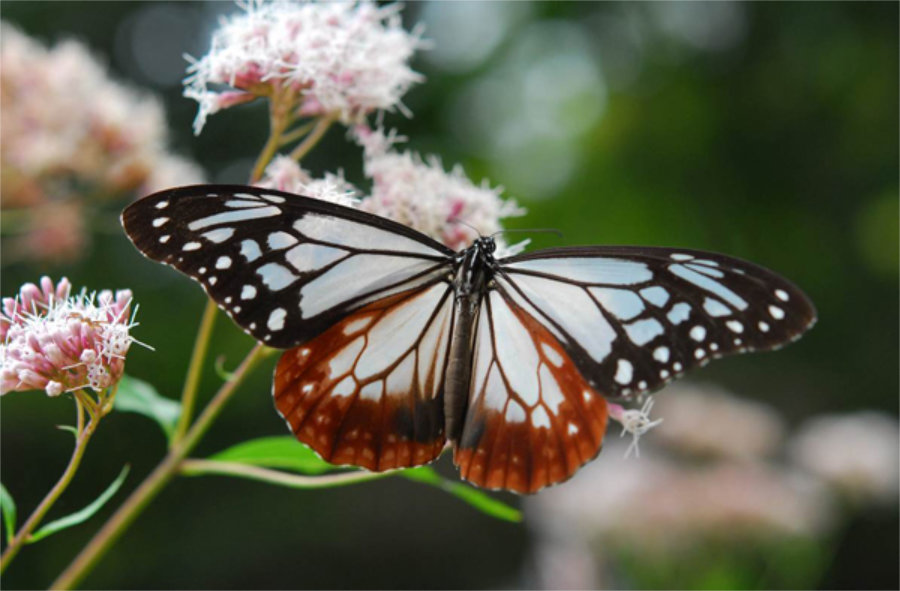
[531, 230]
[464, 223]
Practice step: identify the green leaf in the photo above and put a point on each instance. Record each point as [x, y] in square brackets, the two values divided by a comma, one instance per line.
[138, 396]
[478, 499]
[287, 453]
[276, 452]
[8, 508]
[80, 516]
[68, 428]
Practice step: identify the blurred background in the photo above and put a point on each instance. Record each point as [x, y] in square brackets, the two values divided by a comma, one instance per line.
[763, 130]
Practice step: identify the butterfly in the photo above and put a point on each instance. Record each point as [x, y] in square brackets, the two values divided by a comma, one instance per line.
[397, 345]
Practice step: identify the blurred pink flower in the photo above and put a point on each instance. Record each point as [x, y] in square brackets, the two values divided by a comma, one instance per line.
[56, 342]
[70, 135]
[708, 422]
[420, 194]
[858, 454]
[340, 59]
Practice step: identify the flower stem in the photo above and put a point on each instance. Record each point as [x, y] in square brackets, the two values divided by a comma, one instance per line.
[297, 133]
[191, 383]
[279, 120]
[197, 467]
[84, 435]
[157, 479]
[312, 139]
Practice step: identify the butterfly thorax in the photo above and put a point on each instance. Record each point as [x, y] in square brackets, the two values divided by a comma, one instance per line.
[474, 267]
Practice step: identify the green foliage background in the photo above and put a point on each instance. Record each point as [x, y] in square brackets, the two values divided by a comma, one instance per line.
[781, 149]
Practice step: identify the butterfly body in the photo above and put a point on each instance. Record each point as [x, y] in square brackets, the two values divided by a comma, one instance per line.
[397, 345]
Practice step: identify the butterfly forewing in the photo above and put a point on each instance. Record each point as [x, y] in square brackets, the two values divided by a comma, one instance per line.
[633, 318]
[532, 419]
[369, 390]
[283, 266]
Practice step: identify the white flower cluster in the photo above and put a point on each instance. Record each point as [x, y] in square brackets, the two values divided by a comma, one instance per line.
[69, 131]
[338, 59]
[409, 190]
[56, 342]
[418, 192]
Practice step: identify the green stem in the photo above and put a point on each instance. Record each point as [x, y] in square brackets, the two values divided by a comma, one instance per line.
[279, 120]
[195, 368]
[297, 133]
[312, 139]
[157, 479]
[197, 467]
[80, 445]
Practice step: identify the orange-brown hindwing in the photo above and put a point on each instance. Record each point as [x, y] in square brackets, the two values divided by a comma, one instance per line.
[369, 390]
[532, 419]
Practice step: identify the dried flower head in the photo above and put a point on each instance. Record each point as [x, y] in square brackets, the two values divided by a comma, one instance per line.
[420, 194]
[634, 421]
[57, 342]
[337, 59]
[856, 453]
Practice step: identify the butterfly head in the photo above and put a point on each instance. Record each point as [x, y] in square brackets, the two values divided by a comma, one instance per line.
[485, 245]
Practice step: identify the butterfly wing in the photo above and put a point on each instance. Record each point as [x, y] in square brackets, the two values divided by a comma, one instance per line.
[284, 267]
[369, 390]
[634, 318]
[532, 418]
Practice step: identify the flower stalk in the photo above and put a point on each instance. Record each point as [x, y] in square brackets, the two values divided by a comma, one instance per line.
[154, 483]
[84, 433]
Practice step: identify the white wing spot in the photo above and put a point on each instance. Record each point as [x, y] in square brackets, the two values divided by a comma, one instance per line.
[661, 354]
[223, 262]
[587, 395]
[202, 270]
[233, 216]
[248, 292]
[275, 276]
[237, 309]
[162, 204]
[715, 308]
[664, 373]
[782, 295]
[159, 222]
[573, 429]
[677, 256]
[643, 331]
[713, 347]
[276, 319]
[540, 419]
[191, 246]
[212, 280]
[642, 384]
[624, 371]
[656, 295]
[279, 240]
[551, 355]
[228, 300]
[679, 313]
[763, 326]
[219, 235]
[699, 354]
[776, 312]
[252, 326]
[677, 366]
[250, 250]
[623, 304]
[164, 238]
[738, 342]
[515, 413]
[698, 333]
[735, 326]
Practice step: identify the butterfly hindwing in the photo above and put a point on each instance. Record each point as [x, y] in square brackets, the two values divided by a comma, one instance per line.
[369, 390]
[284, 267]
[633, 318]
[532, 419]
